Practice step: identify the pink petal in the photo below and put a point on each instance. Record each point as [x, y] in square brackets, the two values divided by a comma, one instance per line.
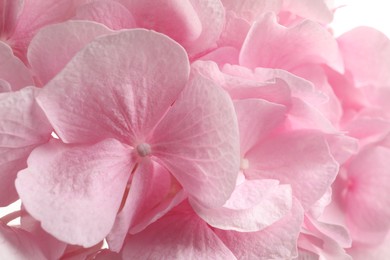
[308, 43]
[338, 233]
[176, 18]
[212, 17]
[110, 13]
[178, 235]
[75, 191]
[305, 116]
[299, 158]
[198, 142]
[315, 10]
[17, 244]
[366, 54]
[279, 241]
[35, 15]
[10, 11]
[13, 70]
[23, 127]
[4, 86]
[251, 9]
[367, 200]
[256, 119]
[242, 83]
[51, 40]
[151, 195]
[253, 206]
[126, 104]
[234, 32]
[51, 247]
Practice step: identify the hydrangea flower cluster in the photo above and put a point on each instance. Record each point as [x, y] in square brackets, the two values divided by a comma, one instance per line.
[192, 129]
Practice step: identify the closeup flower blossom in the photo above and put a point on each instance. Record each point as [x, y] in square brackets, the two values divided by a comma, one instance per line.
[191, 129]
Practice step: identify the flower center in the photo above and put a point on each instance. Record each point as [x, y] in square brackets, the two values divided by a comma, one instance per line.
[143, 149]
[244, 164]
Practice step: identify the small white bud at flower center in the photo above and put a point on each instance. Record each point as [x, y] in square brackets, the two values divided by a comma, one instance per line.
[143, 149]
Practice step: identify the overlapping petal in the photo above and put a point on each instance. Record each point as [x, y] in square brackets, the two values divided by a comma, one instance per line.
[23, 127]
[75, 191]
[51, 40]
[198, 142]
[124, 98]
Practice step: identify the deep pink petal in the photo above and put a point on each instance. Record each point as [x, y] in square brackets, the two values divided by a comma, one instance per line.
[299, 158]
[87, 102]
[366, 54]
[51, 40]
[110, 13]
[253, 206]
[278, 241]
[271, 45]
[9, 11]
[13, 70]
[178, 235]
[198, 142]
[152, 193]
[23, 126]
[17, 244]
[256, 118]
[75, 191]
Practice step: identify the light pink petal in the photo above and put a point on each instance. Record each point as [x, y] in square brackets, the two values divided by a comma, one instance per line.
[87, 102]
[278, 241]
[366, 54]
[22, 127]
[338, 233]
[222, 56]
[315, 10]
[367, 198]
[176, 18]
[241, 83]
[34, 16]
[4, 86]
[331, 107]
[272, 45]
[234, 31]
[178, 235]
[381, 251]
[253, 206]
[51, 40]
[110, 13]
[299, 158]
[212, 17]
[198, 142]
[342, 146]
[317, 248]
[151, 194]
[51, 247]
[17, 244]
[256, 118]
[75, 191]
[305, 116]
[13, 70]
[251, 9]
